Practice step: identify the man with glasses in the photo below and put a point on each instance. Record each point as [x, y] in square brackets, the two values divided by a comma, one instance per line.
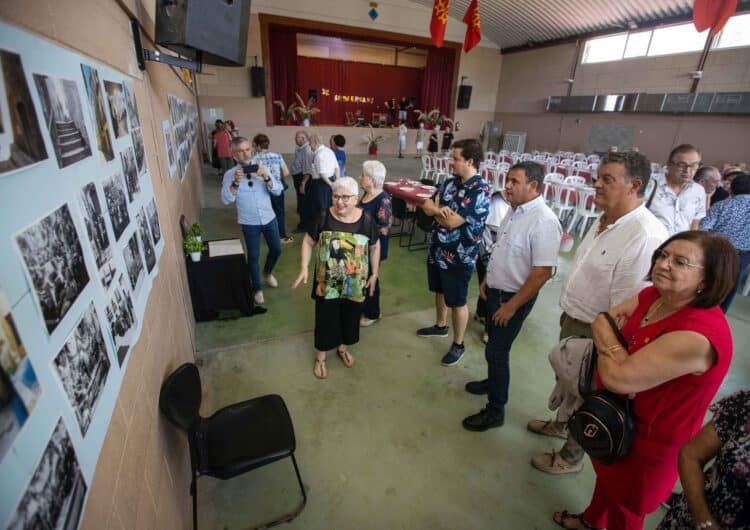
[250, 187]
[676, 200]
[609, 267]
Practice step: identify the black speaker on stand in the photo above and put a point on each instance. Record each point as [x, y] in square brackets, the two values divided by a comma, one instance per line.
[464, 96]
[257, 81]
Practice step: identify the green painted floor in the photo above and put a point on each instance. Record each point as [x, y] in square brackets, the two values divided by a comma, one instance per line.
[380, 445]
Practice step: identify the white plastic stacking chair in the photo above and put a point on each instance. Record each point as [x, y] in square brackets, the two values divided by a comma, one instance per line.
[494, 178]
[486, 172]
[593, 159]
[580, 164]
[442, 169]
[514, 156]
[490, 156]
[585, 210]
[548, 192]
[580, 156]
[525, 157]
[428, 170]
[575, 181]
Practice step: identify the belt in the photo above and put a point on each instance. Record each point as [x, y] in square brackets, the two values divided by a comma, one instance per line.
[499, 291]
[576, 320]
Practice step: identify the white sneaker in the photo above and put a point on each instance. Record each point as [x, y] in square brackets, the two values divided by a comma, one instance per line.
[270, 280]
[258, 297]
[366, 322]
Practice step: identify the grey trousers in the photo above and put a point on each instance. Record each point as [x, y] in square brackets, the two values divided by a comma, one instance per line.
[571, 452]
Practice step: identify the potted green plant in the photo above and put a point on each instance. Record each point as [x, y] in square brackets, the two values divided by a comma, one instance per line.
[372, 141]
[194, 247]
[288, 114]
[305, 110]
[196, 230]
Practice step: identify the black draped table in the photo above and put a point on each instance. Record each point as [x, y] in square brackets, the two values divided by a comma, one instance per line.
[219, 283]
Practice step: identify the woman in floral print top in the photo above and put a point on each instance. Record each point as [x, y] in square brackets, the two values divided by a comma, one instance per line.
[377, 203]
[721, 497]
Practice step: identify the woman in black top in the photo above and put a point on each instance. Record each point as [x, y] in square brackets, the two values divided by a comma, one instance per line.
[345, 240]
[432, 147]
[447, 139]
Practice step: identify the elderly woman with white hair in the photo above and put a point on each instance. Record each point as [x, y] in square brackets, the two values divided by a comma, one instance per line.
[346, 243]
[377, 203]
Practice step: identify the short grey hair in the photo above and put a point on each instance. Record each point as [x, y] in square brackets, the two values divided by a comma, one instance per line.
[239, 140]
[375, 170]
[314, 138]
[346, 183]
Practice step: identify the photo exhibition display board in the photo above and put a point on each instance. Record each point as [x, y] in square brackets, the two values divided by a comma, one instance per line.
[80, 246]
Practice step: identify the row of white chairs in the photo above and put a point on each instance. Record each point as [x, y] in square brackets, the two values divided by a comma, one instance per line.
[572, 200]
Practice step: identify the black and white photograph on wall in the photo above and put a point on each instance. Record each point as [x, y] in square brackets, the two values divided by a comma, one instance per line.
[21, 140]
[153, 221]
[127, 89]
[148, 248]
[140, 150]
[96, 229]
[130, 171]
[98, 114]
[117, 108]
[117, 204]
[56, 492]
[121, 318]
[19, 387]
[51, 251]
[133, 263]
[63, 115]
[82, 366]
[169, 146]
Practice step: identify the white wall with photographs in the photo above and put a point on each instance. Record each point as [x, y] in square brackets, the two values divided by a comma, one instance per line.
[80, 243]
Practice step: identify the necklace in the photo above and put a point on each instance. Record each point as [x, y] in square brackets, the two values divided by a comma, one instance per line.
[653, 310]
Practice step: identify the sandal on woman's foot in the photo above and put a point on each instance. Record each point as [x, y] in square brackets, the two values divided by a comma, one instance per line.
[566, 519]
[320, 369]
[346, 358]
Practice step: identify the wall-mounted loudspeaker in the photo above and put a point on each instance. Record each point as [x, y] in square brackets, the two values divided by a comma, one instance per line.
[257, 81]
[464, 96]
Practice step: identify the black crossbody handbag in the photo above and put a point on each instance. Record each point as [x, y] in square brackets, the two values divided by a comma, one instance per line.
[604, 426]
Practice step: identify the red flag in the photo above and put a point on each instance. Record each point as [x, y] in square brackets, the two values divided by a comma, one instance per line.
[712, 14]
[438, 21]
[473, 30]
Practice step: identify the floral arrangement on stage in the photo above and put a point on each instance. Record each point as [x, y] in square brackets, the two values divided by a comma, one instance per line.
[288, 114]
[305, 110]
[433, 119]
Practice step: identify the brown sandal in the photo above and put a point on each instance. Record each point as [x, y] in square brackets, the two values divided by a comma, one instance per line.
[319, 369]
[345, 357]
[561, 517]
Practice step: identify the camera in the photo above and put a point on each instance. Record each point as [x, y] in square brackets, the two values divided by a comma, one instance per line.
[250, 171]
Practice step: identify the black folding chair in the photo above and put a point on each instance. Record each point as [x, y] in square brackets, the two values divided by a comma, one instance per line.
[425, 223]
[235, 439]
[402, 218]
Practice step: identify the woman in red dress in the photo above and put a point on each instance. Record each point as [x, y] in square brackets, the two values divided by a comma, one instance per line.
[679, 350]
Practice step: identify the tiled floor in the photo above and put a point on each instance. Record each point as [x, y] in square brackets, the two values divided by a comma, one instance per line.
[380, 445]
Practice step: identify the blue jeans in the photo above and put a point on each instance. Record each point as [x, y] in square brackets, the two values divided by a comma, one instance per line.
[252, 234]
[497, 351]
[277, 203]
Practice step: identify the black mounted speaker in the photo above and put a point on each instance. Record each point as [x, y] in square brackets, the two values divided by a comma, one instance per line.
[207, 31]
[464, 97]
[257, 81]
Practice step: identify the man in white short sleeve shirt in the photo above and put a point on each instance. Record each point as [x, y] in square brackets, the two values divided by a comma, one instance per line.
[609, 267]
[521, 261]
[678, 201]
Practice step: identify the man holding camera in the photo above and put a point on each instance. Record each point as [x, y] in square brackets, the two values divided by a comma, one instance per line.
[250, 187]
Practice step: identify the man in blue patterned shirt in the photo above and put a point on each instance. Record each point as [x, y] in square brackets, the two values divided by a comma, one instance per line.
[459, 208]
[728, 218]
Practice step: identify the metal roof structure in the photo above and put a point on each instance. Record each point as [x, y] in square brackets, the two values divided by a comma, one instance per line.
[517, 23]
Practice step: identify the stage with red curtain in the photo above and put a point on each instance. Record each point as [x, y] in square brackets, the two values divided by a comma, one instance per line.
[373, 82]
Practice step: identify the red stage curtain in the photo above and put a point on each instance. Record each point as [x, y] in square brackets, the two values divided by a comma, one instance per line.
[283, 44]
[347, 78]
[436, 87]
